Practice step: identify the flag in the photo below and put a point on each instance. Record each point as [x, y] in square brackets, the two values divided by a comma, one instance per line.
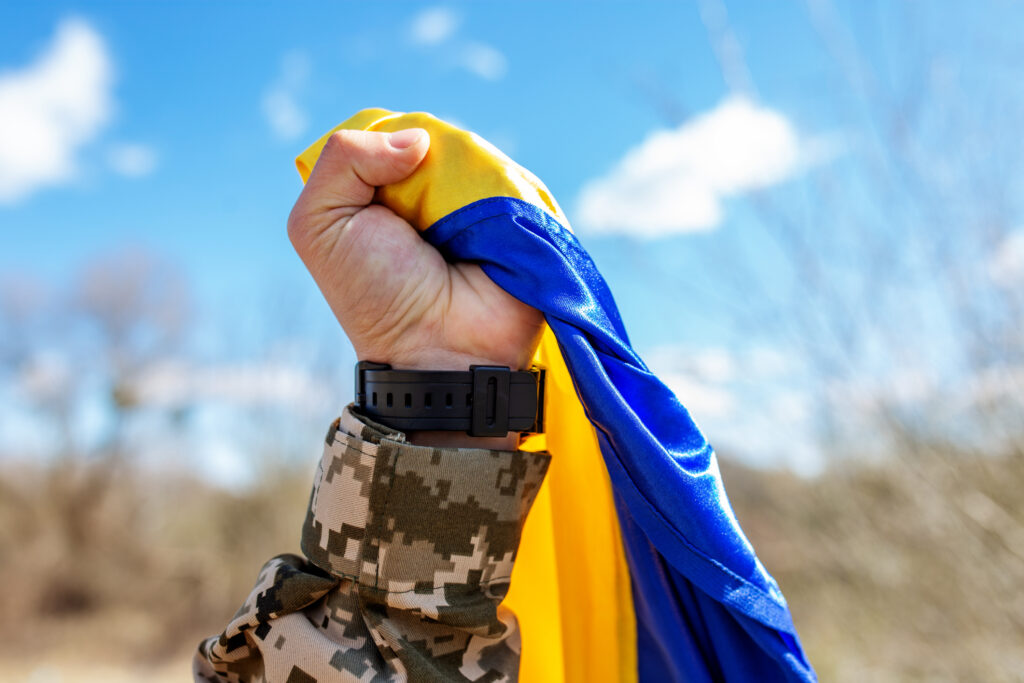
[632, 565]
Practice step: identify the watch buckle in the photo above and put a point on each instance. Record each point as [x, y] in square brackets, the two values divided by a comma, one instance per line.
[490, 400]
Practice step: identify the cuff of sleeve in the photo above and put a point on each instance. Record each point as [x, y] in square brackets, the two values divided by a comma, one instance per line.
[356, 425]
[416, 526]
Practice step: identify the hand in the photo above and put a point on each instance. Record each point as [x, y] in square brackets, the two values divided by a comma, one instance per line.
[396, 297]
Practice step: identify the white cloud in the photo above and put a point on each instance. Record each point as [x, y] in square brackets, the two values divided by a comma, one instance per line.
[751, 401]
[700, 377]
[790, 408]
[485, 61]
[132, 160]
[709, 364]
[1007, 264]
[704, 400]
[716, 384]
[714, 365]
[433, 26]
[675, 180]
[768, 362]
[51, 108]
[286, 118]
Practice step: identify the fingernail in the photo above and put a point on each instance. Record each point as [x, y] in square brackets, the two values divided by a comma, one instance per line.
[404, 139]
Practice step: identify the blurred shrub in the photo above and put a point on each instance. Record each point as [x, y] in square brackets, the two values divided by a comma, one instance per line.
[913, 570]
[107, 564]
[908, 571]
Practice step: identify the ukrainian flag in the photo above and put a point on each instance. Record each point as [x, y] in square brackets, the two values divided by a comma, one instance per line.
[632, 565]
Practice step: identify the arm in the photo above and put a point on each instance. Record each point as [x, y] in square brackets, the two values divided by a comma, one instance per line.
[409, 549]
[410, 539]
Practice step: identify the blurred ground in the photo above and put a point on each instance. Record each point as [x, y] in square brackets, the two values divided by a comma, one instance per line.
[911, 571]
[112, 573]
[905, 571]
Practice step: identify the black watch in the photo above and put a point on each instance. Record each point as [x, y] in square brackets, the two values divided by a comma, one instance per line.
[485, 400]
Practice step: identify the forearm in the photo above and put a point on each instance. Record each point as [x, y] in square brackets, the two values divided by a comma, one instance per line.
[412, 550]
[460, 440]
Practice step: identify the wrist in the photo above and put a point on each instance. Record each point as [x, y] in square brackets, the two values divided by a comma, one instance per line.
[438, 439]
[428, 423]
[435, 359]
[438, 359]
[413, 356]
[434, 439]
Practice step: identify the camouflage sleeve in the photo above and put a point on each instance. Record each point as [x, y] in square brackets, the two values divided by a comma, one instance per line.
[409, 552]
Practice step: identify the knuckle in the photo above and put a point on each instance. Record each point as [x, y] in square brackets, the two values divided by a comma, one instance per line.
[339, 144]
[297, 227]
[296, 234]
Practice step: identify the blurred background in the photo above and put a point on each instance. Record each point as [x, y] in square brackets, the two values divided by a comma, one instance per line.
[810, 214]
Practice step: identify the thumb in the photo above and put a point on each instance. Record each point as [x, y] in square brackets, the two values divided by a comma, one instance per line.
[354, 162]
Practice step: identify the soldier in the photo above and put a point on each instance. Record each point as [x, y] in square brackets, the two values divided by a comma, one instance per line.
[410, 537]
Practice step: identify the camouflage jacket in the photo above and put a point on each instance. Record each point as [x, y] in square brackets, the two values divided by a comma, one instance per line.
[409, 551]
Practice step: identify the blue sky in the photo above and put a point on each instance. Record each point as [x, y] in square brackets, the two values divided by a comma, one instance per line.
[577, 89]
[652, 122]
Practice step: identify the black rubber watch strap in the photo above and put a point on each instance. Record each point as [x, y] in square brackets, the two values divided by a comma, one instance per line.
[483, 401]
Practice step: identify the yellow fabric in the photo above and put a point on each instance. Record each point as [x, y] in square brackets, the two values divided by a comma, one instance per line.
[570, 586]
[581, 539]
[460, 168]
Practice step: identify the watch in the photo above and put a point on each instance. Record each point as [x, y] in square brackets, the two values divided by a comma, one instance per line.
[485, 400]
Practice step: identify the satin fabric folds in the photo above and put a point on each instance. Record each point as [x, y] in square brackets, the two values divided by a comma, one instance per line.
[632, 565]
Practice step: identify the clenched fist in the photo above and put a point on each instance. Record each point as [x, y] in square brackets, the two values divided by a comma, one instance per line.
[396, 297]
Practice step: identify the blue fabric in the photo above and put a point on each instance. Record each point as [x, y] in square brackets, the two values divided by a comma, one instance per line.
[707, 610]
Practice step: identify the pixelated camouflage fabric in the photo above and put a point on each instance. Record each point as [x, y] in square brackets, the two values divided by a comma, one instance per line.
[409, 551]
